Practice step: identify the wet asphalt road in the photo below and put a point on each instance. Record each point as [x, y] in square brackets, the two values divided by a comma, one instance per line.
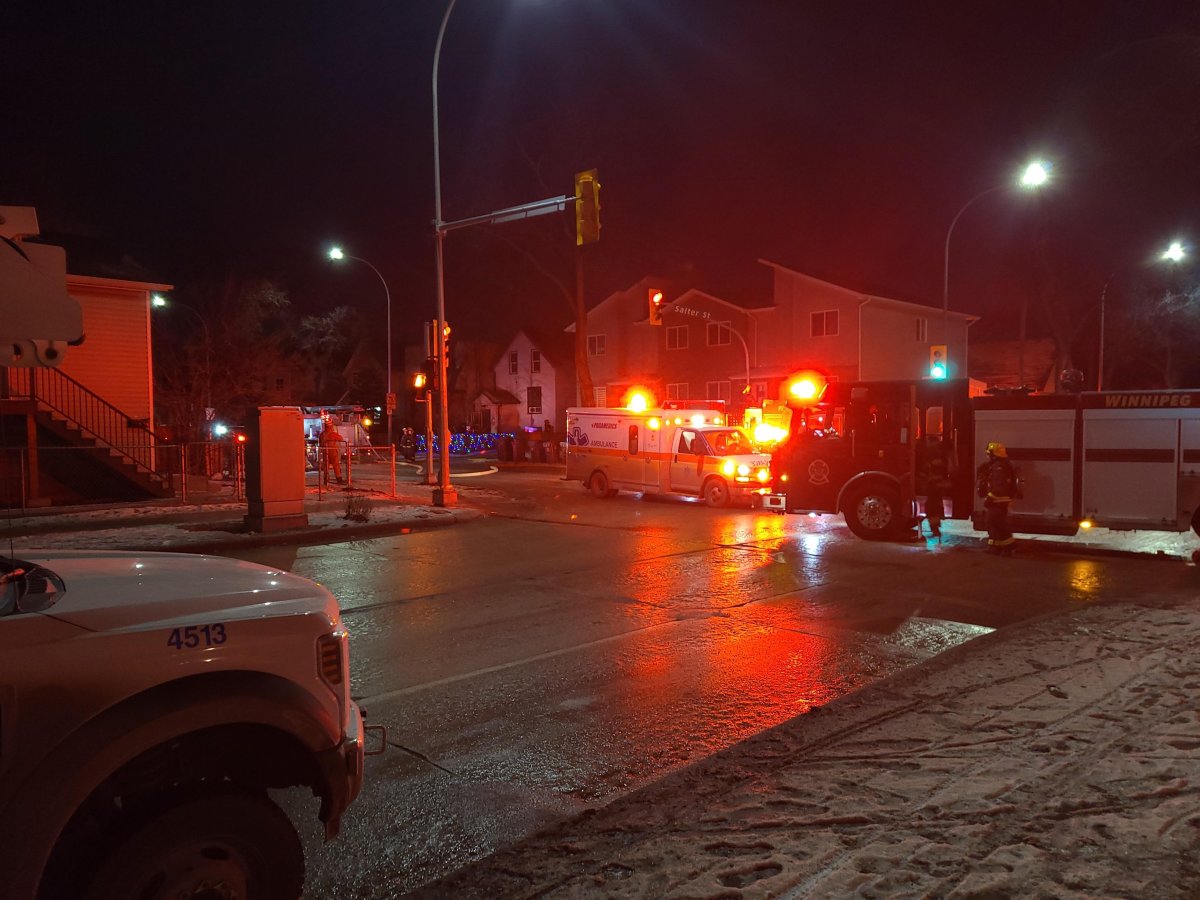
[565, 650]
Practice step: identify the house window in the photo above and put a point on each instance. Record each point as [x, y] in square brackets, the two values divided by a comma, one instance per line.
[825, 323]
[922, 330]
[600, 394]
[535, 361]
[279, 384]
[677, 390]
[677, 337]
[514, 365]
[718, 334]
[533, 398]
[595, 345]
[717, 390]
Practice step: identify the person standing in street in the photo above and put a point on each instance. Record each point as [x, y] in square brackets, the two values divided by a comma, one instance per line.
[996, 483]
[331, 451]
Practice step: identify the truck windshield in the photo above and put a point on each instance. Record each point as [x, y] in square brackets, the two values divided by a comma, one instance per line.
[729, 442]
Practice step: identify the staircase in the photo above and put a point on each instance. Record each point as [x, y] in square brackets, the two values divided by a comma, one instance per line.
[86, 448]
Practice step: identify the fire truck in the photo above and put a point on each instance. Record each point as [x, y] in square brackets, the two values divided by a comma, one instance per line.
[1121, 460]
[686, 452]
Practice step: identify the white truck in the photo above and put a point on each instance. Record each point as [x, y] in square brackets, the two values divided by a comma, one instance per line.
[686, 452]
[148, 704]
[150, 701]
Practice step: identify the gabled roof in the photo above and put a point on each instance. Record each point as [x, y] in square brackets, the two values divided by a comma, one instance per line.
[872, 296]
[558, 349]
[498, 396]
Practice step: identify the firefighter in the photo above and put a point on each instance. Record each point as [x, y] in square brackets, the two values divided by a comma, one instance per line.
[996, 482]
[331, 452]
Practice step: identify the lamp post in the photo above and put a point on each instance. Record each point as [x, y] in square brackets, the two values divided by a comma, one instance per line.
[158, 301]
[337, 254]
[1174, 254]
[444, 494]
[1034, 176]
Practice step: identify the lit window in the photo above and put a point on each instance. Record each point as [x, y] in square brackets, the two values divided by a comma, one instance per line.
[677, 337]
[601, 396]
[825, 323]
[535, 361]
[514, 365]
[595, 345]
[718, 334]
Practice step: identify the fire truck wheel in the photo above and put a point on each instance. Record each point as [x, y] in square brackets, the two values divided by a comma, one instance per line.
[716, 493]
[599, 486]
[873, 512]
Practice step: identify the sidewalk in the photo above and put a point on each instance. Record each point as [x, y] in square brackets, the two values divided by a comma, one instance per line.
[1056, 758]
[217, 525]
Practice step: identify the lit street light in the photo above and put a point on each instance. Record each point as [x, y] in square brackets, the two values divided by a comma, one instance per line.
[1174, 254]
[158, 301]
[1036, 174]
[336, 254]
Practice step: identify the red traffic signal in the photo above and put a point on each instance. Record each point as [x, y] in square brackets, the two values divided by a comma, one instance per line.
[654, 301]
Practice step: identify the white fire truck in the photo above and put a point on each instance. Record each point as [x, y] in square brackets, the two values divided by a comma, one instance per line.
[1123, 460]
[688, 452]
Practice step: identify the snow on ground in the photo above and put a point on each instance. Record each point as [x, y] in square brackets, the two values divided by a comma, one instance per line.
[1058, 758]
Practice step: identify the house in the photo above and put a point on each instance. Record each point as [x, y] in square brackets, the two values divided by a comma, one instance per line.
[84, 431]
[534, 384]
[712, 348]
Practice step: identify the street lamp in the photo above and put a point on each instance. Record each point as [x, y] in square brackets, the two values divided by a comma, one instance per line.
[1174, 254]
[1033, 176]
[158, 301]
[444, 494]
[336, 254]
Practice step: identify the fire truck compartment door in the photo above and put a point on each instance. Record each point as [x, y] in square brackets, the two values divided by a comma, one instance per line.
[1131, 464]
[1041, 444]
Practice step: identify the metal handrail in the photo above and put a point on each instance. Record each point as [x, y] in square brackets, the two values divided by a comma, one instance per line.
[94, 416]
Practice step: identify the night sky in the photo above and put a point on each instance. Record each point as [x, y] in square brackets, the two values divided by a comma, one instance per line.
[839, 139]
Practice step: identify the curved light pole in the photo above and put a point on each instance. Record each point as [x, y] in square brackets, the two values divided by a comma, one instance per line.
[444, 494]
[1034, 176]
[336, 253]
[158, 301]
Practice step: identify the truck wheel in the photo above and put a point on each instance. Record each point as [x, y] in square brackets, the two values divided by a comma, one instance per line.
[716, 493]
[873, 513]
[599, 485]
[224, 846]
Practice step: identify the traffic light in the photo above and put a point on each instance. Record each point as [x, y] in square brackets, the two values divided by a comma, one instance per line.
[938, 366]
[421, 382]
[587, 207]
[654, 300]
[446, 341]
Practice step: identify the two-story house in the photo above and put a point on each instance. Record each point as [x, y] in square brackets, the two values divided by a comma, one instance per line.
[712, 348]
[534, 384]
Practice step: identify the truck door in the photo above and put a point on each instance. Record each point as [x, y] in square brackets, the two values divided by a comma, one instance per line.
[1131, 466]
[687, 458]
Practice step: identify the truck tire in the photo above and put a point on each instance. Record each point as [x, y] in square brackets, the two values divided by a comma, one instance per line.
[225, 845]
[599, 485]
[716, 493]
[873, 512]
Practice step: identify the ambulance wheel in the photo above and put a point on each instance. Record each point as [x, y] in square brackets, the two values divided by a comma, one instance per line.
[716, 493]
[873, 513]
[599, 486]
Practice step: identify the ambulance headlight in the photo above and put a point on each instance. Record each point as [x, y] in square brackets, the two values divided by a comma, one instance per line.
[728, 468]
[764, 475]
[743, 470]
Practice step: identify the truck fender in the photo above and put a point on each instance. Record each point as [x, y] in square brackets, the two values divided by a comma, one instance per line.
[64, 780]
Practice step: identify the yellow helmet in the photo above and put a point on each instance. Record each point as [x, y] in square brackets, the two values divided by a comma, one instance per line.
[995, 448]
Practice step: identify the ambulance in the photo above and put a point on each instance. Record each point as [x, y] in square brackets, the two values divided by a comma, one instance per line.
[689, 452]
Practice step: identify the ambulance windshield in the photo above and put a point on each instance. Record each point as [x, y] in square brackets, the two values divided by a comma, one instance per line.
[729, 442]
